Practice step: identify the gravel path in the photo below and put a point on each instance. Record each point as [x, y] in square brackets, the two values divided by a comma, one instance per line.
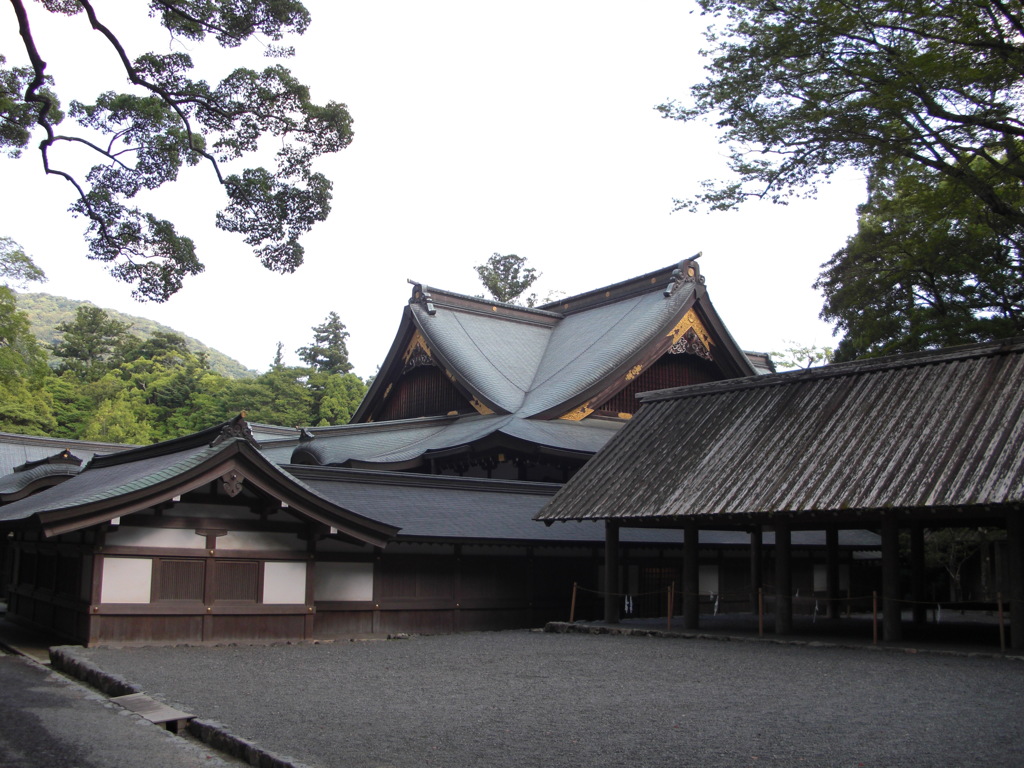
[528, 699]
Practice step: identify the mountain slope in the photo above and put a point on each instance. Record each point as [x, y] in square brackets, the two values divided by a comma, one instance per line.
[45, 312]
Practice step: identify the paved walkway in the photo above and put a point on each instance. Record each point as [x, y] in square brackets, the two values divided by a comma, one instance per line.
[48, 721]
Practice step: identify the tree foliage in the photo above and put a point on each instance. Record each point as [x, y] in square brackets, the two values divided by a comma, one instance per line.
[170, 119]
[506, 277]
[90, 342]
[930, 266]
[800, 88]
[328, 353]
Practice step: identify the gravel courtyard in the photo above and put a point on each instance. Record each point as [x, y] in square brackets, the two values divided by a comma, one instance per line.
[561, 700]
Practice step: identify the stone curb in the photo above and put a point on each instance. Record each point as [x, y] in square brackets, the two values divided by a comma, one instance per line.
[65, 659]
[565, 627]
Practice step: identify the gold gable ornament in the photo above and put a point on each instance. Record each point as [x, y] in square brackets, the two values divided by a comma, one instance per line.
[691, 337]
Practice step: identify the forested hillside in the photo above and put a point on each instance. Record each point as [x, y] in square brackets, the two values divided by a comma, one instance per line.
[46, 312]
[74, 370]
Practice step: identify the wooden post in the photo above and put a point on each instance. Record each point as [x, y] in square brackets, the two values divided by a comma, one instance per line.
[572, 607]
[832, 571]
[760, 612]
[1002, 626]
[892, 624]
[783, 578]
[1015, 561]
[611, 571]
[671, 604]
[917, 573]
[756, 568]
[691, 577]
[874, 617]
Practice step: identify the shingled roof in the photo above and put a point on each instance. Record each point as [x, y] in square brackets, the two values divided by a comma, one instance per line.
[925, 433]
[528, 379]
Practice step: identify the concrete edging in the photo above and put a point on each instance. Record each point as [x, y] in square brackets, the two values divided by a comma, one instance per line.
[65, 659]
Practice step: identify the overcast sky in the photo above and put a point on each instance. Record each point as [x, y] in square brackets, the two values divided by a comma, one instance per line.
[524, 128]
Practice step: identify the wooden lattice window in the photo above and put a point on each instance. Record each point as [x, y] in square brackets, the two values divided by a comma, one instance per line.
[237, 581]
[179, 580]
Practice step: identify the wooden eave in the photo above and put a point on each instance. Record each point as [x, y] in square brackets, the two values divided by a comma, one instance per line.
[253, 469]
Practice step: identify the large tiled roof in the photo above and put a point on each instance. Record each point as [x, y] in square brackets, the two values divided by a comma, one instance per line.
[541, 363]
[930, 432]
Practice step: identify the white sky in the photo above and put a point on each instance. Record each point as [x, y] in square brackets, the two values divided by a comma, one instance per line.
[524, 128]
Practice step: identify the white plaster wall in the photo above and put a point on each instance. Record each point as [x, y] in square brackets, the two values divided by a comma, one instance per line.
[343, 581]
[126, 580]
[284, 583]
[260, 541]
[178, 538]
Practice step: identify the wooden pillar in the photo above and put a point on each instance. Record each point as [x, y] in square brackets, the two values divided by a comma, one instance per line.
[892, 625]
[832, 571]
[611, 571]
[1015, 558]
[756, 567]
[917, 572]
[691, 576]
[783, 578]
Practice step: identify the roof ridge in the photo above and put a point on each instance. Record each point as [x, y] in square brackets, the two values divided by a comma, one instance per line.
[834, 370]
[233, 429]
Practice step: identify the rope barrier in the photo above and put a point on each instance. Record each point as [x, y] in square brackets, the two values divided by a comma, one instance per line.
[716, 597]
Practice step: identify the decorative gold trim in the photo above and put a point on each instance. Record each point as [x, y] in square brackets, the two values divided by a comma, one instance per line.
[626, 416]
[633, 372]
[480, 407]
[690, 321]
[416, 342]
[578, 414]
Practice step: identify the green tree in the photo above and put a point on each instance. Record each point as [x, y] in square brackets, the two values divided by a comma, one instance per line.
[328, 353]
[930, 266]
[118, 421]
[797, 355]
[17, 267]
[335, 398]
[800, 88]
[507, 277]
[90, 342]
[171, 119]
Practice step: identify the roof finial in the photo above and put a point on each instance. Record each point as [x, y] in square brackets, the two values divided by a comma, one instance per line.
[686, 272]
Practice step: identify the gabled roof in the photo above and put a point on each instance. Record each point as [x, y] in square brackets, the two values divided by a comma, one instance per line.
[130, 481]
[931, 432]
[547, 362]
